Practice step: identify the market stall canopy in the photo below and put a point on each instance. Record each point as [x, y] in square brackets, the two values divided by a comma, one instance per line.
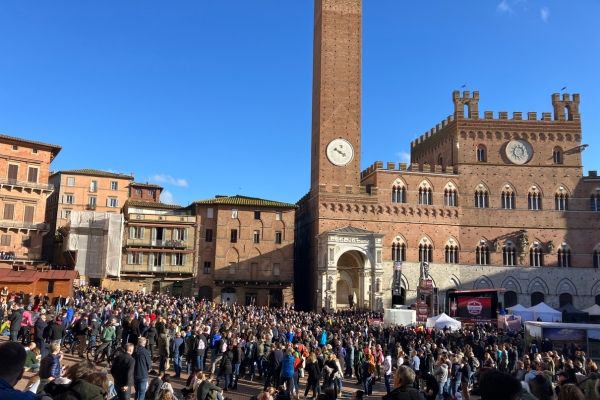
[521, 311]
[443, 321]
[571, 314]
[593, 310]
[545, 313]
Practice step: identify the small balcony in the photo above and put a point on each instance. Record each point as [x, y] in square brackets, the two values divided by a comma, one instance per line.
[24, 226]
[90, 207]
[28, 186]
[165, 244]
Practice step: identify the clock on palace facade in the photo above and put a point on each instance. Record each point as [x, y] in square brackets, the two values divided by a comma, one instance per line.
[519, 151]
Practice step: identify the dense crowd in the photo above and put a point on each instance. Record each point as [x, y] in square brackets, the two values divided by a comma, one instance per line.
[138, 344]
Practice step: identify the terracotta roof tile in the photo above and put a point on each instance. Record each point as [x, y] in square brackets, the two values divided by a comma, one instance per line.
[149, 204]
[238, 200]
[95, 172]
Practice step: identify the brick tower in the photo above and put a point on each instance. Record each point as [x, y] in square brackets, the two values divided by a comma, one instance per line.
[336, 93]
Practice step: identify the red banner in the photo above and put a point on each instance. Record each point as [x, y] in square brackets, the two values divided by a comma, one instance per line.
[422, 311]
[474, 308]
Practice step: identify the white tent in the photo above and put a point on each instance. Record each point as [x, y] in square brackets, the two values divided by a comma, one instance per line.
[544, 312]
[593, 310]
[443, 321]
[521, 311]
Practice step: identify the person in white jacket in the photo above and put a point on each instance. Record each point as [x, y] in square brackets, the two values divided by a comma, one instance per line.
[387, 371]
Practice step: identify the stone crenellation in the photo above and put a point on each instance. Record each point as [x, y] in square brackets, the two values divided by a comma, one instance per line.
[407, 168]
[566, 109]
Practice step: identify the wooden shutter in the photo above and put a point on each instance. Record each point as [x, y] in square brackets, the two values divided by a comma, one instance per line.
[131, 232]
[32, 175]
[141, 260]
[13, 172]
[141, 232]
[130, 258]
[151, 260]
[173, 259]
[153, 234]
[9, 211]
[183, 259]
[185, 234]
[29, 210]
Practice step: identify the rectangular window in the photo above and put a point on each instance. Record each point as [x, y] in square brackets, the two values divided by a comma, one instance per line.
[92, 202]
[9, 211]
[135, 258]
[67, 214]
[278, 237]
[114, 185]
[256, 237]
[278, 215]
[15, 147]
[136, 232]
[13, 172]
[207, 268]
[178, 259]
[70, 181]
[234, 213]
[234, 236]
[93, 186]
[50, 287]
[69, 198]
[28, 215]
[138, 192]
[112, 202]
[256, 214]
[210, 213]
[158, 260]
[208, 237]
[32, 174]
[5, 240]
[180, 234]
[34, 151]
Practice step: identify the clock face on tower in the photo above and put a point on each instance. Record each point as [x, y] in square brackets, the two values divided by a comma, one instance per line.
[519, 151]
[340, 152]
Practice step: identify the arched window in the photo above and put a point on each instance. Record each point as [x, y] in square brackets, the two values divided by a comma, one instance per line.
[564, 299]
[534, 199]
[425, 251]
[425, 194]
[509, 254]
[564, 256]
[536, 256]
[481, 153]
[508, 198]
[510, 299]
[596, 259]
[482, 254]
[450, 195]
[398, 193]
[561, 200]
[536, 298]
[451, 253]
[481, 197]
[398, 251]
[557, 155]
[595, 202]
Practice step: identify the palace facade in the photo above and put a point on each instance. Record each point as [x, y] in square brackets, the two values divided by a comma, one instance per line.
[488, 201]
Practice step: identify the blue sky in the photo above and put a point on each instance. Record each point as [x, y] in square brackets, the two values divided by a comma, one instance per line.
[214, 97]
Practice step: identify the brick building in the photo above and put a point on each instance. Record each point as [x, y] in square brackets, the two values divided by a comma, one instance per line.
[82, 190]
[245, 250]
[158, 247]
[145, 192]
[489, 201]
[24, 188]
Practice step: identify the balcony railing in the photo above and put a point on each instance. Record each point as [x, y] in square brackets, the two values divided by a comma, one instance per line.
[31, 185]
[90, 207]
[172, 244]
[25, 225]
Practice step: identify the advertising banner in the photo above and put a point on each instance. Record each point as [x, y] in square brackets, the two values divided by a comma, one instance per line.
[426, 286]
[474, 308]
[566, 337]
[422, 311]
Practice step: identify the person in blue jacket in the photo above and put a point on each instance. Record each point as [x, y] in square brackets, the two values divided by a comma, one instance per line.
[323, 338]
[287, 371]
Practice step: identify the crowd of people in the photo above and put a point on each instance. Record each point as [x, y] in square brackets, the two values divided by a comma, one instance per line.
[142, 343]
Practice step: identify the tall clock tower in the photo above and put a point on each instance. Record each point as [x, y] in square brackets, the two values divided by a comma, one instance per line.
[336, 121]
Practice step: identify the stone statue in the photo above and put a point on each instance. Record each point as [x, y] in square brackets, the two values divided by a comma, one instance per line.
[550, 246]
[329, 283]
[496, 245]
